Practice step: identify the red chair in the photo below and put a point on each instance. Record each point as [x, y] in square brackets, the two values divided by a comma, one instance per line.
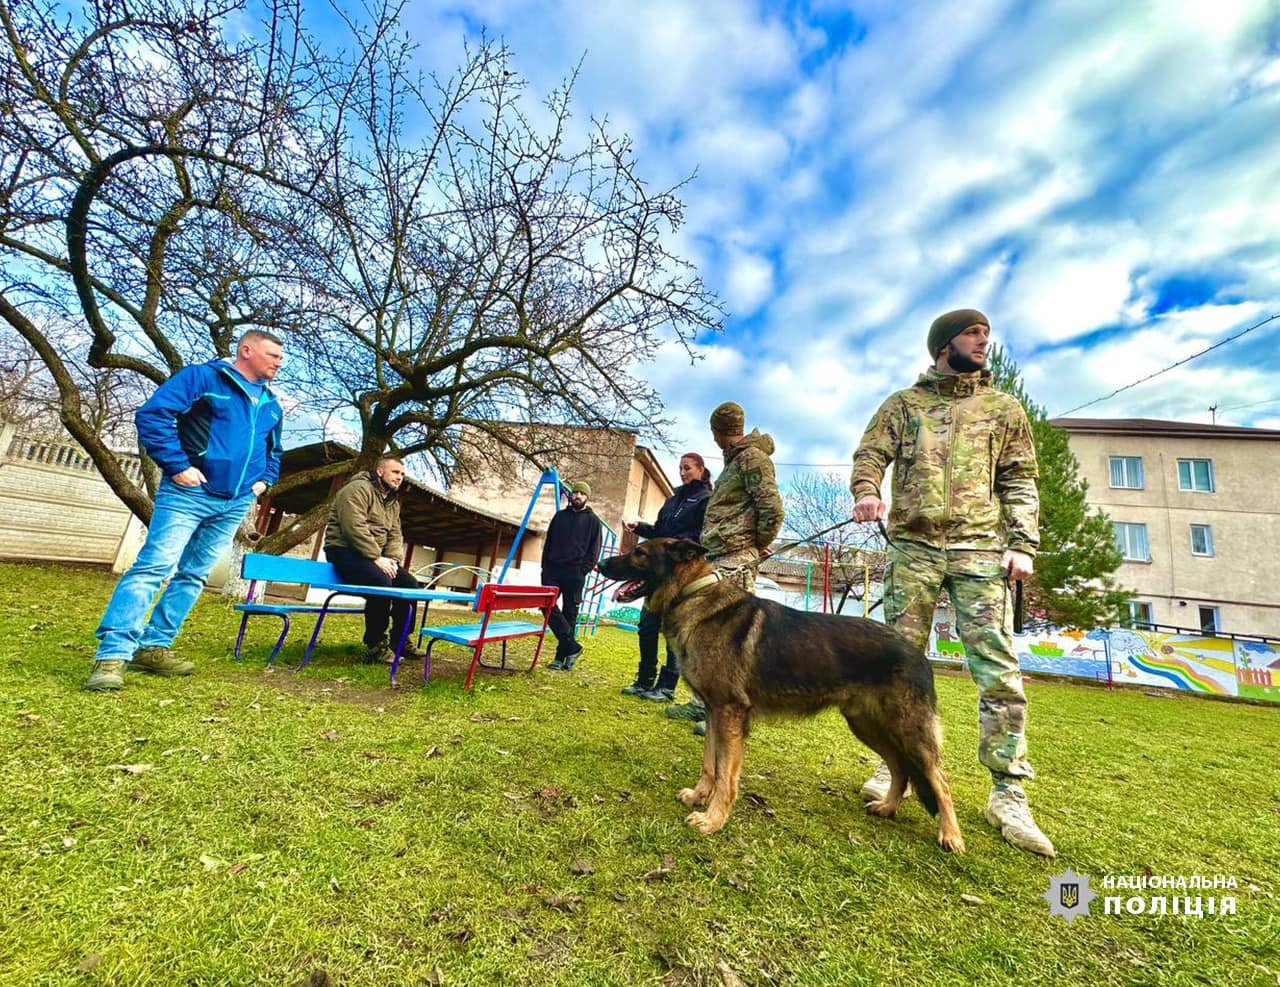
[492, 599]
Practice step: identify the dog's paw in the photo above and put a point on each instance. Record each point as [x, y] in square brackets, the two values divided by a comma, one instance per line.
[952, 842]
[882, 808]
[692, 797]
[703, 822]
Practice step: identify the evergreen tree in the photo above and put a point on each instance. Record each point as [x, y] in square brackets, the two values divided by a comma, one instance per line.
[1074, 581]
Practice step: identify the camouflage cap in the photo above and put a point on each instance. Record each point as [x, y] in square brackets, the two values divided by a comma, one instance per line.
[582, 487]
[947, 327]
[728, 419]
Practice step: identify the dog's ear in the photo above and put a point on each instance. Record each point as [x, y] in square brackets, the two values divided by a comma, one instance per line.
[685, 549]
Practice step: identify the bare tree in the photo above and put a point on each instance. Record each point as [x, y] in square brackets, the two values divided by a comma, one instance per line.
[818, 501]
[438, 252]
[153, 172]
[490, 263]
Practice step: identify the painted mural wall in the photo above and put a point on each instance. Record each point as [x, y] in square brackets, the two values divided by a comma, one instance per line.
[1153, 659]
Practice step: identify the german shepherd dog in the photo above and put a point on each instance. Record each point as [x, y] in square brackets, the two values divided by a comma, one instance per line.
[744, 656]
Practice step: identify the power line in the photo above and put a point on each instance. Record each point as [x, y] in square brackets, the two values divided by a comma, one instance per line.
[1171, 366]
[1251, 404]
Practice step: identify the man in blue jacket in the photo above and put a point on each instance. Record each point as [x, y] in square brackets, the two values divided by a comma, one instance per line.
[214, 430]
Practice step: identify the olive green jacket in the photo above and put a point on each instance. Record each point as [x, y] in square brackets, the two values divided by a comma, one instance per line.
[964, 465]
[745, 510]
[366, 517]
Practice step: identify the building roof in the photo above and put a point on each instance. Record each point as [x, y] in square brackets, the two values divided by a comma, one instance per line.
[1156, 427]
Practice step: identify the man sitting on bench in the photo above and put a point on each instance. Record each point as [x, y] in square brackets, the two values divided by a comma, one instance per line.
[364, 543]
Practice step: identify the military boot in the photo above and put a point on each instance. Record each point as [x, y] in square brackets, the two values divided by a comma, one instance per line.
[159, 661]
[108, 676]
[1008, 811]
[876, 788]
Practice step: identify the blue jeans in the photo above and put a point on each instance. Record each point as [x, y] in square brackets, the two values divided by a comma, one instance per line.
[190, 529]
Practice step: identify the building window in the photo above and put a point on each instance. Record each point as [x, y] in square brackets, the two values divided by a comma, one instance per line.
[1126, 472]
[1209, 620]
[1131, 539]
[1196, 475]
[1201, 539]
[1140, 613]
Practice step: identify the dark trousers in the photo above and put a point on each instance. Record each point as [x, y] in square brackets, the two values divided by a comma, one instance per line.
[564, 617]
[378, 610]
[649, 630]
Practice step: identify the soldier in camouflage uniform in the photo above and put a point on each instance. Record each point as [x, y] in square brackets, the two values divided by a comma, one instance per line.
[964, 517]
[743, 516]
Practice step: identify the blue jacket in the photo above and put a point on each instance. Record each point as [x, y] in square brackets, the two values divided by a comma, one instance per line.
[205, 416]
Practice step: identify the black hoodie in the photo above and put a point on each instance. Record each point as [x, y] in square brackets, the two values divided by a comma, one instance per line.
[573, 540]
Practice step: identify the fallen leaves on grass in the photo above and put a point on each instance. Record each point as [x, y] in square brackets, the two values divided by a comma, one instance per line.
[972, 899]
[759, 802]
[580, 865]
[563, 902]
[133, 769]
[662, 871]
[89, 963]
[211, 862]
[727, 976]
[331, 735]
[433, 751]
[237, 867]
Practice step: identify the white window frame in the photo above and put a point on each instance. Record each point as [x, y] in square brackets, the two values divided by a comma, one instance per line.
[1208, 540]
[1217, 619]
[1128, 466]
[1123, 542]
[1140, 613]
[1191, 476]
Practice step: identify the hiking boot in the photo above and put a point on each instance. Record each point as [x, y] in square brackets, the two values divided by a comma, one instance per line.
[107, 676]
[636, 688]
[693, 710]
[572, 657]
[1008, 811]
[379, 654]
[700, 728]
[876, 788]
[659, 695]
[159, 661]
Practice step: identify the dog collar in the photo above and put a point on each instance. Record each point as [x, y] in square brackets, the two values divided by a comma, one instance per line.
[699, 584]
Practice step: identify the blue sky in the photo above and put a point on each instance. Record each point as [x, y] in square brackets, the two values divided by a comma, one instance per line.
[1101, 178]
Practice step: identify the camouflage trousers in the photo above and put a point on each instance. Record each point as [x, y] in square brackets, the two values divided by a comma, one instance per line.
[915, 578]
[739, 567]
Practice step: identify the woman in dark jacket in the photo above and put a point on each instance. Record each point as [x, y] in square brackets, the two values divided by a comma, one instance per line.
[681, 517]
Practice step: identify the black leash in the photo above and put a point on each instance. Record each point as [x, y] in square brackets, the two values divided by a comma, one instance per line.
[817, 534]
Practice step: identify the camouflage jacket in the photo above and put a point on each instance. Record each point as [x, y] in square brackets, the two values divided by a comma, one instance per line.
[745, 510]
[964, 465]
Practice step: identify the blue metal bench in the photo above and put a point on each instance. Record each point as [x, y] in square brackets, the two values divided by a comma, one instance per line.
[260, 567]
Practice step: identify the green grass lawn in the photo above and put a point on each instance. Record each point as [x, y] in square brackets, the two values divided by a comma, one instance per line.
[246, 826]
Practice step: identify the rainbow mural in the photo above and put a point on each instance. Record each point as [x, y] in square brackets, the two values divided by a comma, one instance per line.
[1155, 659]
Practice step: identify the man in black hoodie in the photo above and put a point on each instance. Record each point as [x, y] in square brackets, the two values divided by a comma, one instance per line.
[571, 551]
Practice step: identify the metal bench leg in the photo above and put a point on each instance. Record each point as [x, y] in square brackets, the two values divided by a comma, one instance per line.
[404, 636]
[426, 660]
[244, 622]
[284, 633]
[475, 660]
[315, 634]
